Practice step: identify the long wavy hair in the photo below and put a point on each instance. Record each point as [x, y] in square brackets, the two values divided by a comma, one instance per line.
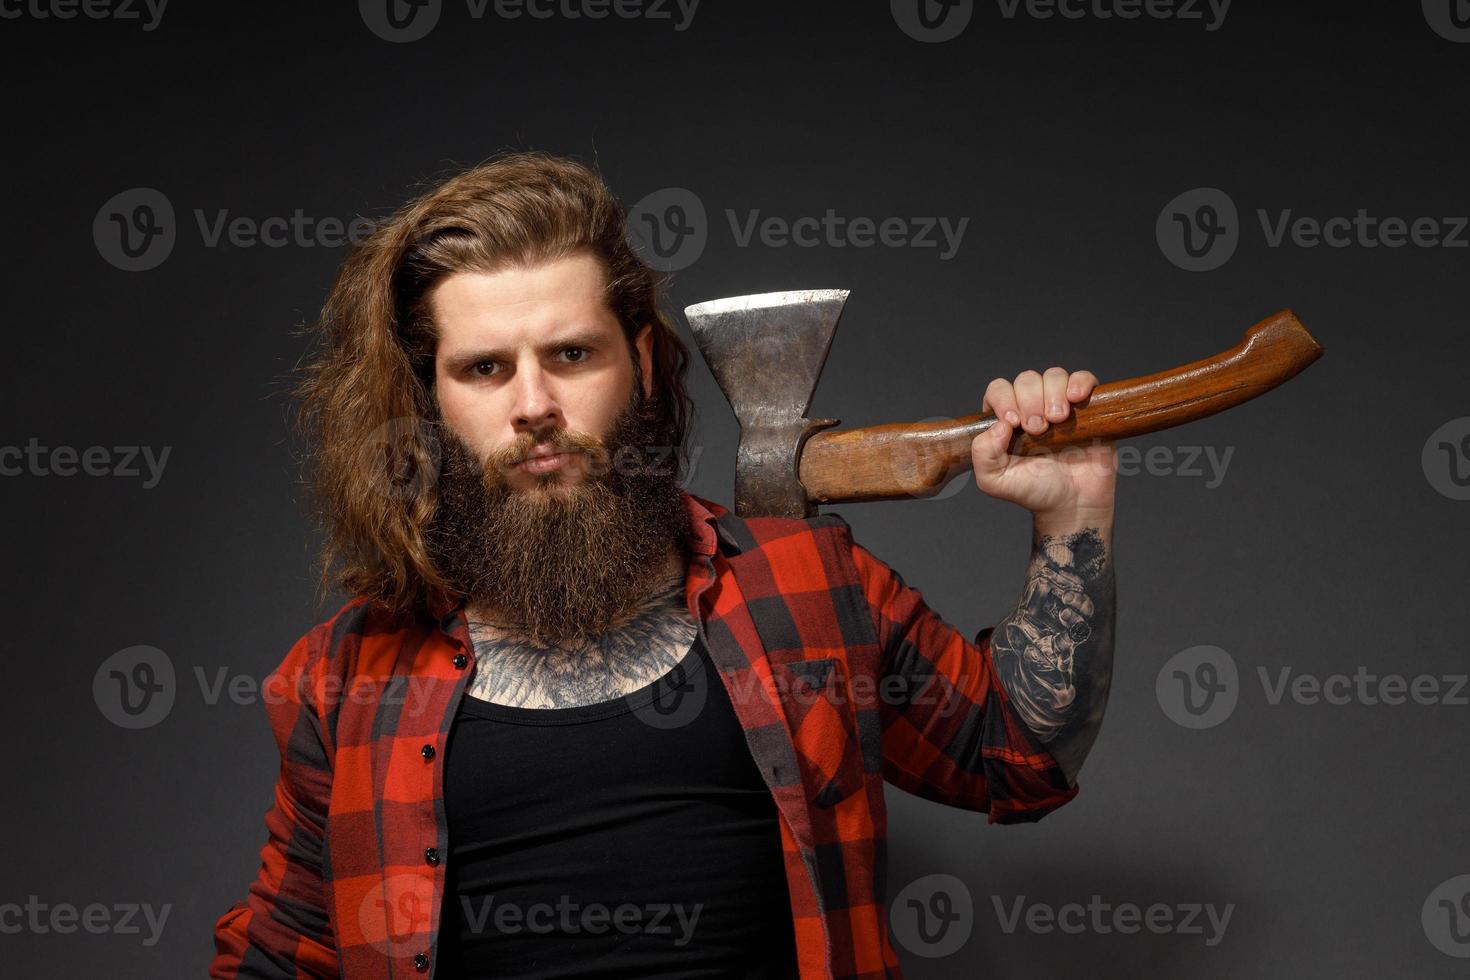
[367, 412]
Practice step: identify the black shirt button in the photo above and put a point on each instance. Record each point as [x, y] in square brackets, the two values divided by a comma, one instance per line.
[432, 855]
[460, 660]
[427, 751]
[420, 962]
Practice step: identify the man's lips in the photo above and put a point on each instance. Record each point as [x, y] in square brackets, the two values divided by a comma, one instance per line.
[540, 451]
[544, 460]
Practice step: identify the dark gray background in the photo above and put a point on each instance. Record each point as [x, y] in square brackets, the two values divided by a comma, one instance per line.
[1324, 549]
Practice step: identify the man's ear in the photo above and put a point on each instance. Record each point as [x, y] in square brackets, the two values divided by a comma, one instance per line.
[643, 344]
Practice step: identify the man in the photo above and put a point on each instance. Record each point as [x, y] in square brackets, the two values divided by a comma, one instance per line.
[577, 722]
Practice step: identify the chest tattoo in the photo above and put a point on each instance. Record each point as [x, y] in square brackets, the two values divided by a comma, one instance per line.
[512, 671]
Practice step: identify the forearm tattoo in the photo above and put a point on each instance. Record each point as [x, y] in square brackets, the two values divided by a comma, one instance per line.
[1054, 654]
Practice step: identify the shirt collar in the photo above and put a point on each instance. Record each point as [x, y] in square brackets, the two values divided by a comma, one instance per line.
[703, 539]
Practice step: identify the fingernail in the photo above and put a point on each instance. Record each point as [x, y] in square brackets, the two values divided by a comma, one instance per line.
[1013, 418]
[1056, 408]
[1074, 392]
[1033, 421]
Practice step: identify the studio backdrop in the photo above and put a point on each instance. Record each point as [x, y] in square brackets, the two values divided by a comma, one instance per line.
[1279, 789]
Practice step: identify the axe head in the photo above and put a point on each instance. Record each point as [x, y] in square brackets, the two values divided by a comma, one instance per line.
[766, 352]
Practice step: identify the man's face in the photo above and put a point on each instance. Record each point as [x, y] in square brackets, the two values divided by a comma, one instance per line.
[528, 360]
[531, 360]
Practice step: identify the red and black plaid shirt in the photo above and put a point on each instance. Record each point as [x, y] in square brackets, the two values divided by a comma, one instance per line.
[840, 675]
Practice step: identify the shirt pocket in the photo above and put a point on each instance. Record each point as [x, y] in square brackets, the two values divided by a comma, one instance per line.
[817, 700]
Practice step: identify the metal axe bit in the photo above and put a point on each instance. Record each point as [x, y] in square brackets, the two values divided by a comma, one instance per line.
[767, 351]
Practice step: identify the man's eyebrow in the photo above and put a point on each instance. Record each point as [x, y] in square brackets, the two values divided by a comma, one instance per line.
[579, 338]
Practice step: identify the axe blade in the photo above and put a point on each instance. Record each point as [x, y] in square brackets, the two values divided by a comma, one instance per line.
[766, 353]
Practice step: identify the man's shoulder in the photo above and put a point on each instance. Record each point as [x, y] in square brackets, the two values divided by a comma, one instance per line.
[334, 645]
[780, 533]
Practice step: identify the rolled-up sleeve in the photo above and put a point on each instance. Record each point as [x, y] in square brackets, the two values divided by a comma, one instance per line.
[950, 733]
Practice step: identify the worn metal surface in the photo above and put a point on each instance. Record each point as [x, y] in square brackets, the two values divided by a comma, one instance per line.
[766, 352]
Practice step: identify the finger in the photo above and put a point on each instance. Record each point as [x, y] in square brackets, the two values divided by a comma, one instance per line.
[1069, 590]
[1061, 577]
[1080, 385]
[1070, 619]
[990, 455]
[1000, 398]
[1054, 394]
[1079, 602]
[1063, 647]
[1029, 402]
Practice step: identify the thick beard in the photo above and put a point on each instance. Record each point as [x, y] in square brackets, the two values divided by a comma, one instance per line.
[561, 562]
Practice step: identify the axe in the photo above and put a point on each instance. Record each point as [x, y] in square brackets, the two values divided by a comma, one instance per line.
[767, 351]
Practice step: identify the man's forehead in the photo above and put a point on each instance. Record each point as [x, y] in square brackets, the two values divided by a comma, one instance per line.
[472, 309]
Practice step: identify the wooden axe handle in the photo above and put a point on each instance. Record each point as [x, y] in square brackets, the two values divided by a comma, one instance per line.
[904, 460]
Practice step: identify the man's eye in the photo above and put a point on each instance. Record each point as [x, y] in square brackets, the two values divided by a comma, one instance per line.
[485, 369]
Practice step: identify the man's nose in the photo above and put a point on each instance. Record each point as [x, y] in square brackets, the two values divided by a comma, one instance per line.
[535, 405]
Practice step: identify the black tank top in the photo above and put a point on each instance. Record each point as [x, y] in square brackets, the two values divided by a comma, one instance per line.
[631, 838]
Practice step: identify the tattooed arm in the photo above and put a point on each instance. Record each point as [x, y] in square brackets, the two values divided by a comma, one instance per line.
[1054, 653]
